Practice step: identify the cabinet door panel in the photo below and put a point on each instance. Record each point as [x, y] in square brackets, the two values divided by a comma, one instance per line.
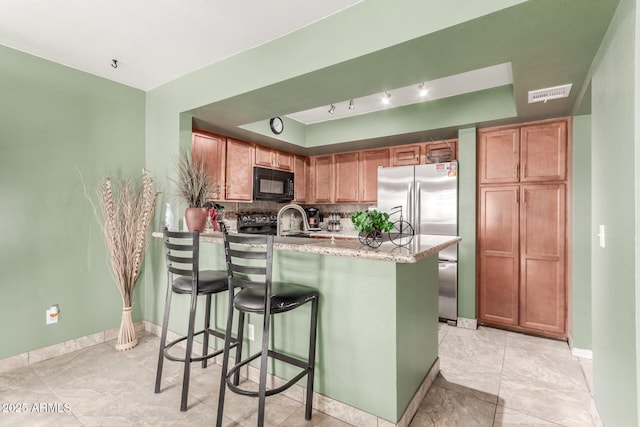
[211, 149]
[239, 170]
[443, 151]
[284, 161]
[346, 179]
[498, 295]
[405, 155]
[300, 172]
[543, 254]
[544, 152]
[499, 254]
[370, 161]
[322, 179]
[264, 156]
[542, 296]
[499, 156]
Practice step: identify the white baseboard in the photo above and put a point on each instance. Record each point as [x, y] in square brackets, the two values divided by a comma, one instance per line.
[38, 355]
[583, 353]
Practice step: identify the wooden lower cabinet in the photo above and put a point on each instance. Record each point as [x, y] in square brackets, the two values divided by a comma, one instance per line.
[542, 258]
[522, 258]
[499, 238]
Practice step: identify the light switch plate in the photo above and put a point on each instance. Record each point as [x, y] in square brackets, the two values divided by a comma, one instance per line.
[601, 235]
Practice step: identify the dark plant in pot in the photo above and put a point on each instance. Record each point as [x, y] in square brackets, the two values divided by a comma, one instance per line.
[370, 225]
[196, 188]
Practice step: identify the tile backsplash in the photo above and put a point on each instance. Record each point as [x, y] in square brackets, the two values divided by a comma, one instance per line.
[233, 209]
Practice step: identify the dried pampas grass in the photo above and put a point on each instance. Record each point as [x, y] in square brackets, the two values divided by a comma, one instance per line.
[127, 209]
[193, 183]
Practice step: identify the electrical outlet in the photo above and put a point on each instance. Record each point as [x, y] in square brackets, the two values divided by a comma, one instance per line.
[52, 315]
[251, 334]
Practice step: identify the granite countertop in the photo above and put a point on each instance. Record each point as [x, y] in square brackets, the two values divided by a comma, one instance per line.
[422, 246]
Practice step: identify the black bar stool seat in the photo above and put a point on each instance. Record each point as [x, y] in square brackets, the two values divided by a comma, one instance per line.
[209, 282]
[284, 297]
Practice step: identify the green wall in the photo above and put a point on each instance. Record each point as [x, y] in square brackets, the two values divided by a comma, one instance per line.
[580, 224]
[614, 204]
[467, 223]
[56, 125]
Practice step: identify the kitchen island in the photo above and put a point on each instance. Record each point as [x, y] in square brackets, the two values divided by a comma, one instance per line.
[377, 349]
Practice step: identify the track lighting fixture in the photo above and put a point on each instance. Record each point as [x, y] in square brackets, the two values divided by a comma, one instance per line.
[351, 105]
[386, 98]
[332, 109]
[423, 91]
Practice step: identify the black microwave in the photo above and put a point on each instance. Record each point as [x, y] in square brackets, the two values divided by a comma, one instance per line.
[271, 184]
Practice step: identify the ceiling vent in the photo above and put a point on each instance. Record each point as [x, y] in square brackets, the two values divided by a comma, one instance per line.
[544, 95]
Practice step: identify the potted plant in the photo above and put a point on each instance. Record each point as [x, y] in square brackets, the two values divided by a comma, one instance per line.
[197, 190]
[371, 224]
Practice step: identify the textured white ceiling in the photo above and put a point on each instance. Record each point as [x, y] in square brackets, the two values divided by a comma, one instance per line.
[155, 41]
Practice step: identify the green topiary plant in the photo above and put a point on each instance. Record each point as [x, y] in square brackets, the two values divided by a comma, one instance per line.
[372, 220]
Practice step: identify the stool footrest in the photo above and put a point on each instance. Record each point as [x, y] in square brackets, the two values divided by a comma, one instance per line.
[306, 369]
[213, 332]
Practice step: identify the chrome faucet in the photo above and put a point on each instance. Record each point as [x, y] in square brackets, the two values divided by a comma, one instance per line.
[305, 221]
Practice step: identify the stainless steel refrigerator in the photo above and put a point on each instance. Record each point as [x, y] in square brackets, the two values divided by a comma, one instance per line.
[428, 195]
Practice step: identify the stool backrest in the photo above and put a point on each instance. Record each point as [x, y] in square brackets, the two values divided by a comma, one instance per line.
[249, 261]
[182, 252]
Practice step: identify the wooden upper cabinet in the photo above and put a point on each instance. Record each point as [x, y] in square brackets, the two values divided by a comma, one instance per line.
[532, 153]
[240, 159]
[346, 177]
[271, 158]
[264, 156]
[322, 179]
[543, 150]
[370, 161]
[283, 161]
[498, 156]
[405, 155]
[211, 149]
[301, 172]
[440, 151]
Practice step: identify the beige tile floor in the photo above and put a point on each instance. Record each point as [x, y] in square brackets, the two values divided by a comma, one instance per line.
[488, 378]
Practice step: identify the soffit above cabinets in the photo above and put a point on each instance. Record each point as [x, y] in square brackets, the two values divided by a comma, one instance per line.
[470, 81]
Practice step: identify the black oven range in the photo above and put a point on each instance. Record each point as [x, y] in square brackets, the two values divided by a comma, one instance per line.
[257, 223]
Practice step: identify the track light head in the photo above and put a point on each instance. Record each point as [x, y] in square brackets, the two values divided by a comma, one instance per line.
[386, 98]
[351, 105]
[332, 109]
[423, 91]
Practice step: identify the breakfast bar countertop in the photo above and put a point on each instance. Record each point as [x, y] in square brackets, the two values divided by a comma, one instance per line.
[422, 246]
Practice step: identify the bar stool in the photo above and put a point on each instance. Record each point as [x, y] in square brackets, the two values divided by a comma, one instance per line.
[249, 265]
[182, 251]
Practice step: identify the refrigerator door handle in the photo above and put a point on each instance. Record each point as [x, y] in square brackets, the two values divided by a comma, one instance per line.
[410, 202]
[418, 212]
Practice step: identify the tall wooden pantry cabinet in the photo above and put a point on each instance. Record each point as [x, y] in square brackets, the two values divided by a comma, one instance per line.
[522, 234]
